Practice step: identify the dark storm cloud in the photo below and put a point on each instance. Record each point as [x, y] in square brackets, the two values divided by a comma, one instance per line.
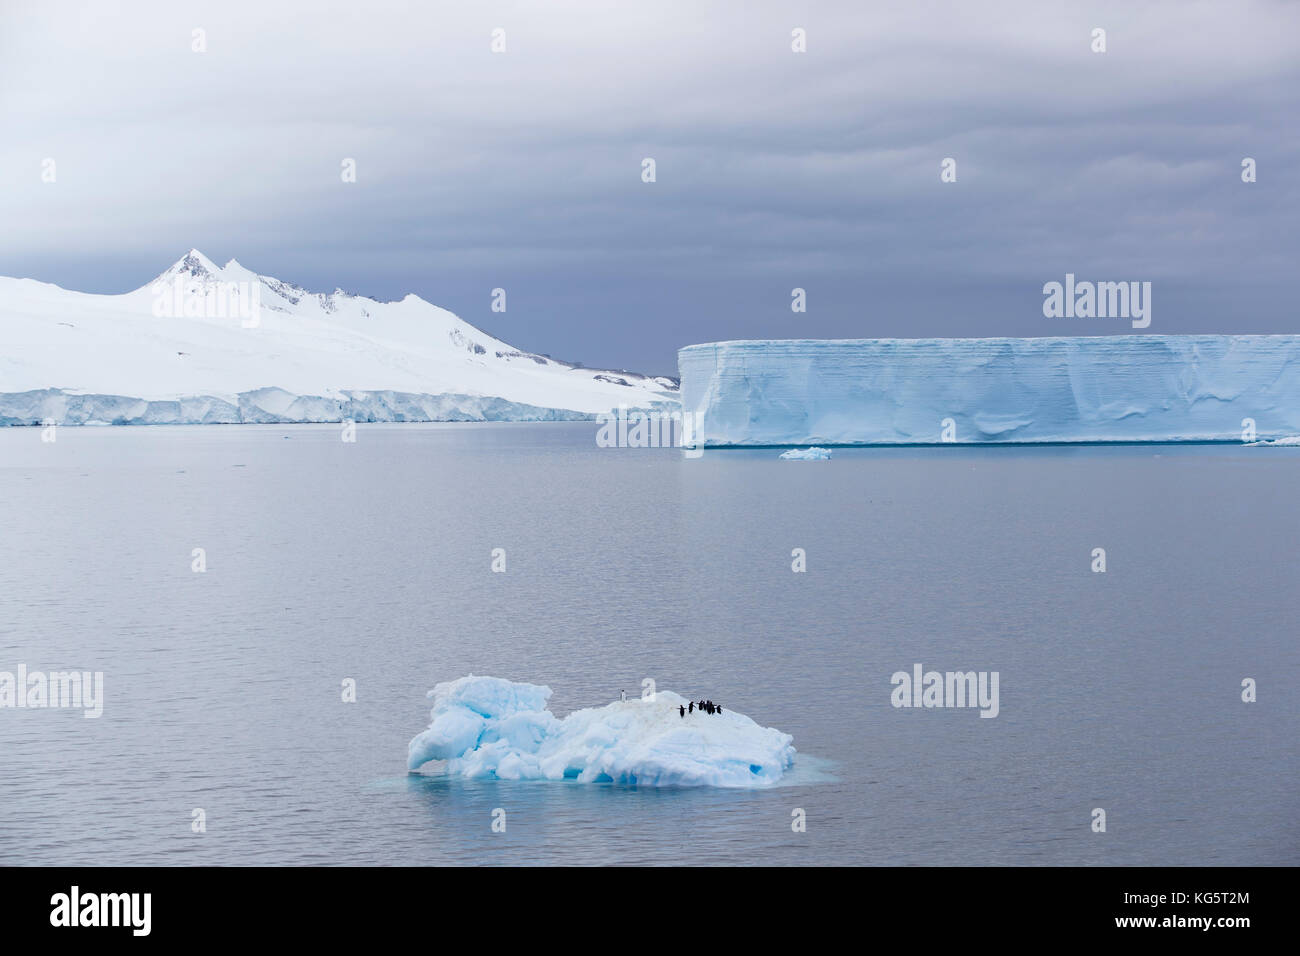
[775, 169]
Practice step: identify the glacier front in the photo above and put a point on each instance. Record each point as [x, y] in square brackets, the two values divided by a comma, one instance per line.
[494, 728]
[1122, 388]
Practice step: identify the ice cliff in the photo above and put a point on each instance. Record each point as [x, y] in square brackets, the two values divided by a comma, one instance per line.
[490, 727]
[1126, 388]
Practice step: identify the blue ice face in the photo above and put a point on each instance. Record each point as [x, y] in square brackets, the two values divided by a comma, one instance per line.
[1124, 388]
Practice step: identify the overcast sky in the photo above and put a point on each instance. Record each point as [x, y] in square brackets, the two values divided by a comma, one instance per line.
[775, 169]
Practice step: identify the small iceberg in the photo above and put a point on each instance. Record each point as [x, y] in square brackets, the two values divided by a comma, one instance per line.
[487, 727]
[1276, 442]
[807, 454]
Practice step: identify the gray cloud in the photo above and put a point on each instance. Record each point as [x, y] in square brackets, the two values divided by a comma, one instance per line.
[775, 170]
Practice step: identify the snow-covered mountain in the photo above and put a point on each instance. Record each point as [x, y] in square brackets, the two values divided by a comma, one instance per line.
[203, 343]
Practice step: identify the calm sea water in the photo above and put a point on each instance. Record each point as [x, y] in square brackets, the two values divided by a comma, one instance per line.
[371, 561]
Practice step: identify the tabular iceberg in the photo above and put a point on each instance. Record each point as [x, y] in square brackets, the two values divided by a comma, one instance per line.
[490, 727]
[1126, 388]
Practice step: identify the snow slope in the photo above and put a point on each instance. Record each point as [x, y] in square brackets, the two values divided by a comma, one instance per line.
[490, 727]
[1126, 388]
[75, 357]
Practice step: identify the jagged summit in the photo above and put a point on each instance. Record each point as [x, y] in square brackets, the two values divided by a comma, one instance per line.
[193, 263]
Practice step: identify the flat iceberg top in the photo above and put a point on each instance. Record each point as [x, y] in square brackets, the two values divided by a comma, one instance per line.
[1030, 341]
[495, 728]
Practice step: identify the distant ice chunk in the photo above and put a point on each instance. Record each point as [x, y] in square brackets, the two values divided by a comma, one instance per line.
[495, 728]
[807, 454]
[1289, 440]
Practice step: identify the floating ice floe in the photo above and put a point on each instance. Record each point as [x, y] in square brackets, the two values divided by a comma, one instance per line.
[487, 727]
[807, 454]
[1289, 440]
